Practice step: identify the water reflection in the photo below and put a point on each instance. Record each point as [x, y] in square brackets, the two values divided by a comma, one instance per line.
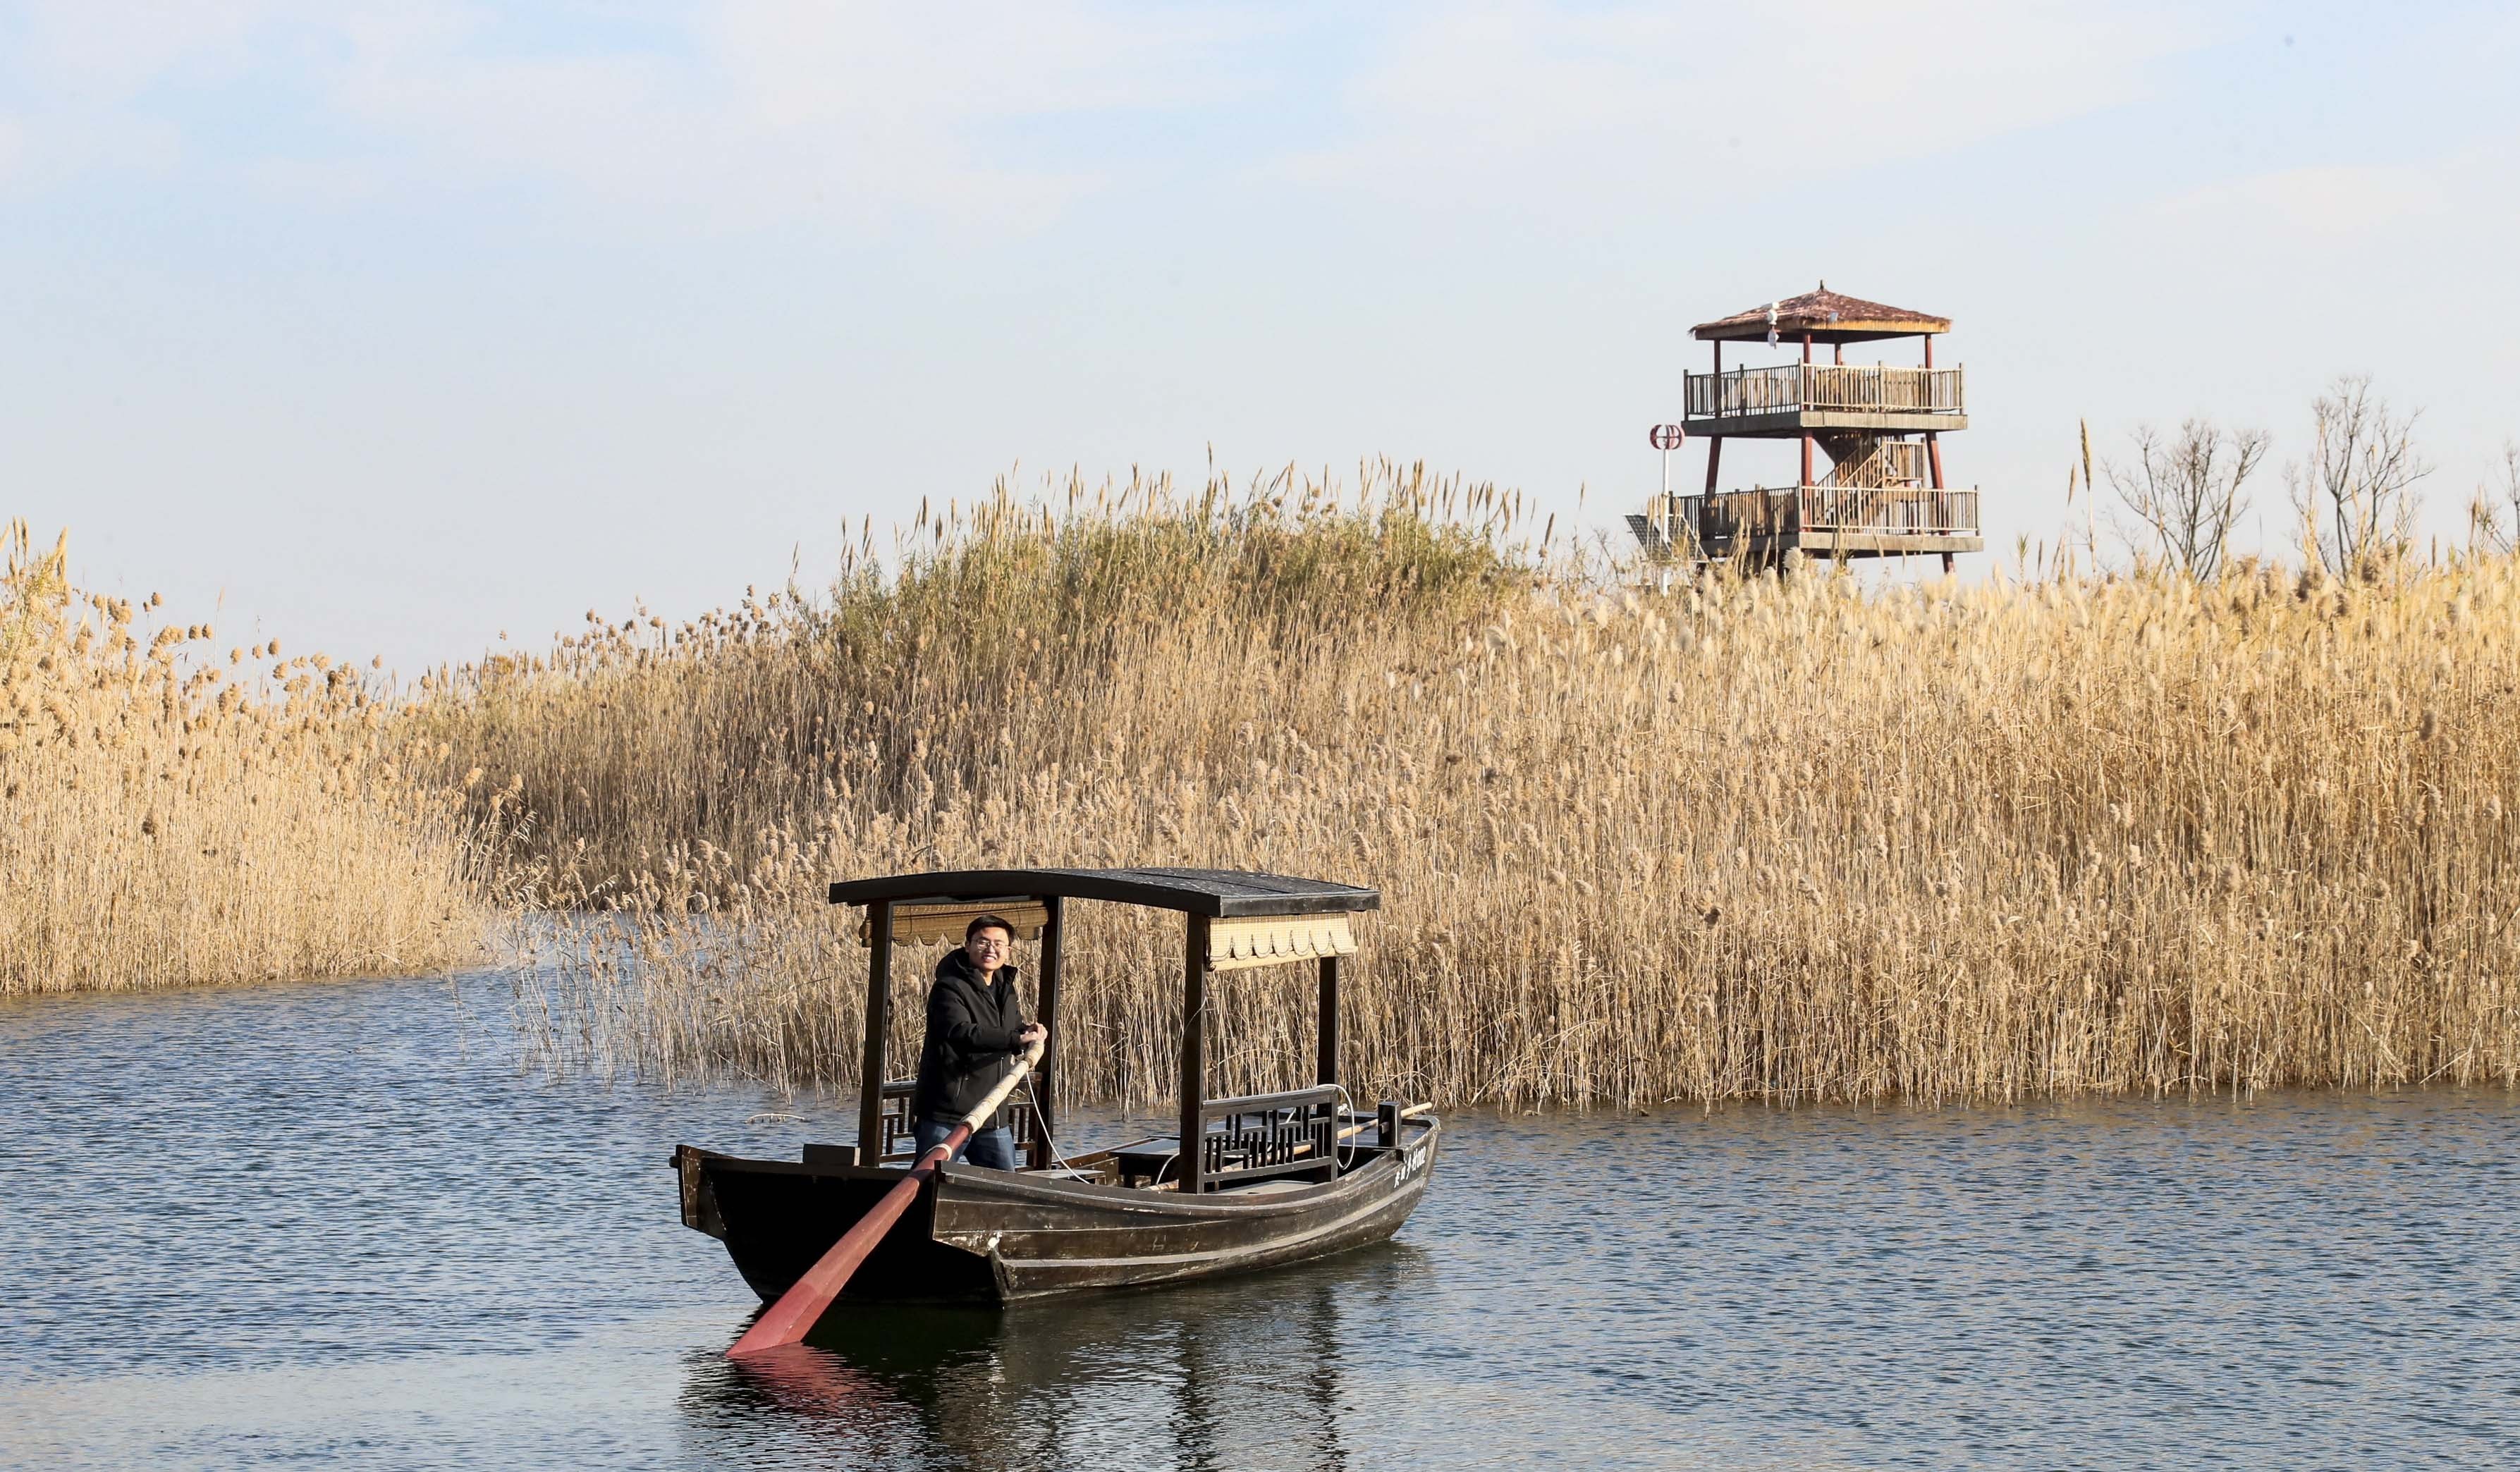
[1239, 1375]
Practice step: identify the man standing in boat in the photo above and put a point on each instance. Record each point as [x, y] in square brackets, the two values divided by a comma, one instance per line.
[975, 1029]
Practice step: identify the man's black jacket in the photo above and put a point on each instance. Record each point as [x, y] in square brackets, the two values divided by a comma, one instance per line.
[972, 1041]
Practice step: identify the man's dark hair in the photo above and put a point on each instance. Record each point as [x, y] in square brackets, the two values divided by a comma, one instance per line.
[988, 922]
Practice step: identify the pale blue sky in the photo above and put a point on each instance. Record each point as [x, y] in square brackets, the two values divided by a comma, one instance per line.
[396, 325]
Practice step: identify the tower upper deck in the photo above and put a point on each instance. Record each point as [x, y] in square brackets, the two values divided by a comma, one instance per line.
[1798, 398]
[1793, 399]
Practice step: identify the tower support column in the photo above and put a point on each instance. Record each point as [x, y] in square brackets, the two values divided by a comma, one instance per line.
[1806, 396]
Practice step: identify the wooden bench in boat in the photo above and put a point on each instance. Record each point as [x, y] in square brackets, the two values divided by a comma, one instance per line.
[901, 1131]
[1247, 1138]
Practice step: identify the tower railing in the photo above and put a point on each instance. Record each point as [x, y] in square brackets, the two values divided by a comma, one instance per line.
[1790, 386]
[1712, 524]
[1893, 508]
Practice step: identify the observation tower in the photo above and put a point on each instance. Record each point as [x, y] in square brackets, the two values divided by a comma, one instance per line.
[1879, 428]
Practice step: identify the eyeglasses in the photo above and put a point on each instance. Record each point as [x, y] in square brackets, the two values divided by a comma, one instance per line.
[990, 943]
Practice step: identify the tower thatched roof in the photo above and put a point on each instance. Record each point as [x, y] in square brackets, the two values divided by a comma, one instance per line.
[1827, 316]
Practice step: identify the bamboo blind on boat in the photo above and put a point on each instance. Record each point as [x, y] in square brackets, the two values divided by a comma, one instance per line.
[1273, 939]
[916, 924]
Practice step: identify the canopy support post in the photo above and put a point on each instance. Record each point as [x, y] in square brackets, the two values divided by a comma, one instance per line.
[1193, 1055]
[1042, 1130]
[879, 1023]
[1329, 1034]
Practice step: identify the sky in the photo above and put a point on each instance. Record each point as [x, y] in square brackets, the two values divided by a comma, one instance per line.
[391, 328]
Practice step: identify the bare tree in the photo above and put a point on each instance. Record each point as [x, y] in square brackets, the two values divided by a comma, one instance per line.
[2357, 496]
[2498, 525]
[2188, 491]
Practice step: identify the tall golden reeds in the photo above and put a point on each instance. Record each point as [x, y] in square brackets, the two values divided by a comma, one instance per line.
[172, 820]
[1744, 838]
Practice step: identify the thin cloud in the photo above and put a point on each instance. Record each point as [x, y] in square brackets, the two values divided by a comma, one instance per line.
[2335, 201]
[999, 116]
[729, 116]
[1528, 99]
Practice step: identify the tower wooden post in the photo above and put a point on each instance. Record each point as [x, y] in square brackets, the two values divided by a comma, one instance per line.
[1715, 447]
[1805, 397]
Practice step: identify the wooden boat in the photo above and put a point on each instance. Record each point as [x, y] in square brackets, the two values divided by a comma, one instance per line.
[1271, 1178]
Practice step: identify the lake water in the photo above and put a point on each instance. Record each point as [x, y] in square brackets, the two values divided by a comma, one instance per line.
[335, 1224]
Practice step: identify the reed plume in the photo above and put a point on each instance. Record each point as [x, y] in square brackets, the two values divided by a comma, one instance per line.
[1744, 838]
[174, 820]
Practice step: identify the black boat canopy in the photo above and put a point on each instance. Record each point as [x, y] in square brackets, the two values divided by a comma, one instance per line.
[1234, 920]
[1219, 893]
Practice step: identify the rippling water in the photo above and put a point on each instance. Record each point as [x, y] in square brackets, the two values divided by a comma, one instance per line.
[335, 1224]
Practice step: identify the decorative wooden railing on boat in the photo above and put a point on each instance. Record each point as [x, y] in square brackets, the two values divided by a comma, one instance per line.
[1792, 387]
[1255, 1138]
[1264, 1135]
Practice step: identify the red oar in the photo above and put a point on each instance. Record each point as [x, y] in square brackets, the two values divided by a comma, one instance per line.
[801, 1307]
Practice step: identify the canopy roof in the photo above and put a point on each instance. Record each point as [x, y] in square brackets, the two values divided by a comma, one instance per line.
[1827, 316]
[1215, 892]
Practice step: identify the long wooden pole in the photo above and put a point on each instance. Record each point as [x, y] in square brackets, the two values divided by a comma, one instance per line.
[1411, 1112]
[802, 1305]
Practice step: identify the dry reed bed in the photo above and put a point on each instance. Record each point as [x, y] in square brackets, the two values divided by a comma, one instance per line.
[172, 820]
[1742, 839]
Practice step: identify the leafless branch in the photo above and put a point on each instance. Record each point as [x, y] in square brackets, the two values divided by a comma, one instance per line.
[2496, 513]
[2357, 496]
[2188, 491]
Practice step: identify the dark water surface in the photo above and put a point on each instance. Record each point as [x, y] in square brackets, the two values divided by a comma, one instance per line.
[334, 1225]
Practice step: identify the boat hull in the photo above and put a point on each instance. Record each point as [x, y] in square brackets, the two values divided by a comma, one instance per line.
[995, 1236]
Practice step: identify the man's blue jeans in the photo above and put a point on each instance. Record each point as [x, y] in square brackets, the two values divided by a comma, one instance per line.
[994, 1148]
